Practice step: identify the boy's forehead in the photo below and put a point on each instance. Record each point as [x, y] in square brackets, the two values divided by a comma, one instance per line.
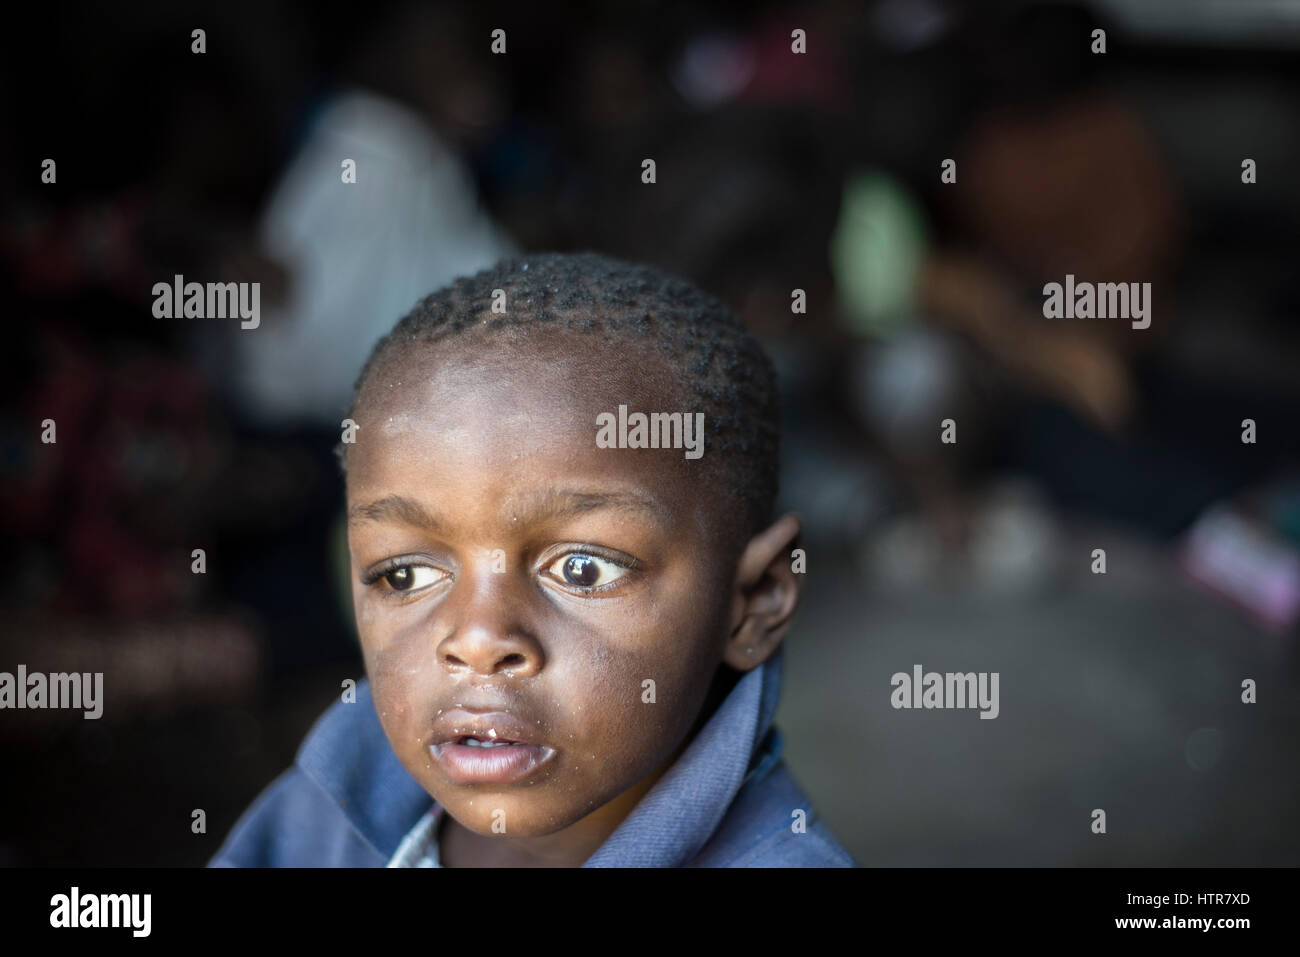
[580, 370]
[492, 414]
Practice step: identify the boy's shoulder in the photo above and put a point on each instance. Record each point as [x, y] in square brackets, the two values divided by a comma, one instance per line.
[345, 802]
[293, 823]
[772, 823]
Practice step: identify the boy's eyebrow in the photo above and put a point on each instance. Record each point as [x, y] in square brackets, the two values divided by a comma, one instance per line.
[395, 510]
[560, 502]
[545, 503]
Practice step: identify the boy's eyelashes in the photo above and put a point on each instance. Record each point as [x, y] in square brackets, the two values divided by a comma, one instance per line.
[584, 569]
[589, 568]
[404, 574]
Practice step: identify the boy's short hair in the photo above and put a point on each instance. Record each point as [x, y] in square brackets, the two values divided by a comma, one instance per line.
[708, 348]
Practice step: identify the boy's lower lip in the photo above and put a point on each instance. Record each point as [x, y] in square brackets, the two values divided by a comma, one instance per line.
[505, 764]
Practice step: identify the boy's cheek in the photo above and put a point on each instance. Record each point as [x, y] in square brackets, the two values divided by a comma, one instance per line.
[647, 699]
[391, 694]
[381, 631]
[365, 613]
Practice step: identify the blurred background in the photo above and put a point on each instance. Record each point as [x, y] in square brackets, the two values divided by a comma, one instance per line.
[822, 171]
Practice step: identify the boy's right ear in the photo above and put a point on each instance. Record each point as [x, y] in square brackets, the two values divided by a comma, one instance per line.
[765, 595]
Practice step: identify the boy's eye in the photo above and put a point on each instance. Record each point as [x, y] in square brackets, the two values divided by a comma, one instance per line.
[411, 577]
[582, 570]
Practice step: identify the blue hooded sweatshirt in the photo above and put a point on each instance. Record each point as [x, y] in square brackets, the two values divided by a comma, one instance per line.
[728, 801]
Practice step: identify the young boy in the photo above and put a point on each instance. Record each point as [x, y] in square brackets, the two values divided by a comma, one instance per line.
[569, 589]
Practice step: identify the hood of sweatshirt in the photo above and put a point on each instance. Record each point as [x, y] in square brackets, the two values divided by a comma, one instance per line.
[348, 756]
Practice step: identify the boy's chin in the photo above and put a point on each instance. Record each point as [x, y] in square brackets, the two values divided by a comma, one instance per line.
[497, 818]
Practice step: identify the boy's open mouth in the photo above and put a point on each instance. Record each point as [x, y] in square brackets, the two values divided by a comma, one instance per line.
[477, 743]
[492, 747]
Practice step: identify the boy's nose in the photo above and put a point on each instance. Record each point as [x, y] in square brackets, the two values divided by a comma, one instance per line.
[475, 650]
[487, 636]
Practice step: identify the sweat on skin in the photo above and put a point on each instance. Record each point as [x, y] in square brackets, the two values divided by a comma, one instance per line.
[481, 445]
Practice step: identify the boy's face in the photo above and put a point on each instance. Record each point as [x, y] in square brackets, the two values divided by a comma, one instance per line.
[520, 569]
